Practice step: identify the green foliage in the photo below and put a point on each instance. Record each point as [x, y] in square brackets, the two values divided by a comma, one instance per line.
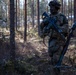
[22, 67]
[25, 68]
[6, 67]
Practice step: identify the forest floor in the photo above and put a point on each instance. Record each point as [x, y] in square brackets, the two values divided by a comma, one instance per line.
[32, 58]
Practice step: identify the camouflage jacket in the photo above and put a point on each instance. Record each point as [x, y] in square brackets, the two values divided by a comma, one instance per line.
[61, 22]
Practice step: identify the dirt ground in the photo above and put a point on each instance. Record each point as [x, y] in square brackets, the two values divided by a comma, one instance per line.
[34, 57]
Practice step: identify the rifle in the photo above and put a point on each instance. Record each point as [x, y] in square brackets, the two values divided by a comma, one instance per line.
[66, 45]
[52, 22]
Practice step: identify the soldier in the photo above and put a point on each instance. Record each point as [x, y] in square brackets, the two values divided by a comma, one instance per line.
[55, 45]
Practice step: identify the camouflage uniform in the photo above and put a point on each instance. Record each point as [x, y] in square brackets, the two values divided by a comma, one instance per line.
[55, 44]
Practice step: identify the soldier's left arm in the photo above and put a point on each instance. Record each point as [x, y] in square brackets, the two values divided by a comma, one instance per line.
[65, 26]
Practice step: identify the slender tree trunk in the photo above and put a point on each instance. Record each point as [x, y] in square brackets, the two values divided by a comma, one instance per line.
[74, 10]
[8, 11]
[62, 6]
[68, 9]
[18, 13]
[32, 11]
[12, 31]
[38, 17]
[71, 12]
[6, 17]
[25, 23]
[16, 16]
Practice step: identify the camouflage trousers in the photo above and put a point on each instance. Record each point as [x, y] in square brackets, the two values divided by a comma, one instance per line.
[55, 48]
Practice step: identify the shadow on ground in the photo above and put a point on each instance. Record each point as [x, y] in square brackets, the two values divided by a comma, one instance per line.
[31, 59]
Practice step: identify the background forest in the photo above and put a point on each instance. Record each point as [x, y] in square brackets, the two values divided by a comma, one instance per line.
[22, 51]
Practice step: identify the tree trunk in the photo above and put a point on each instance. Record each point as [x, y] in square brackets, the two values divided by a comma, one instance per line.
[12, 31]
[62, 6]
[32, 11]
[18, 13]
[25, 23]
[8, 15]
[38, 17]
[74, 10]
[16, 16]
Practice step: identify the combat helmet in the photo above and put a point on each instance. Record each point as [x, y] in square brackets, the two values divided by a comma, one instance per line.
[55, 3]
